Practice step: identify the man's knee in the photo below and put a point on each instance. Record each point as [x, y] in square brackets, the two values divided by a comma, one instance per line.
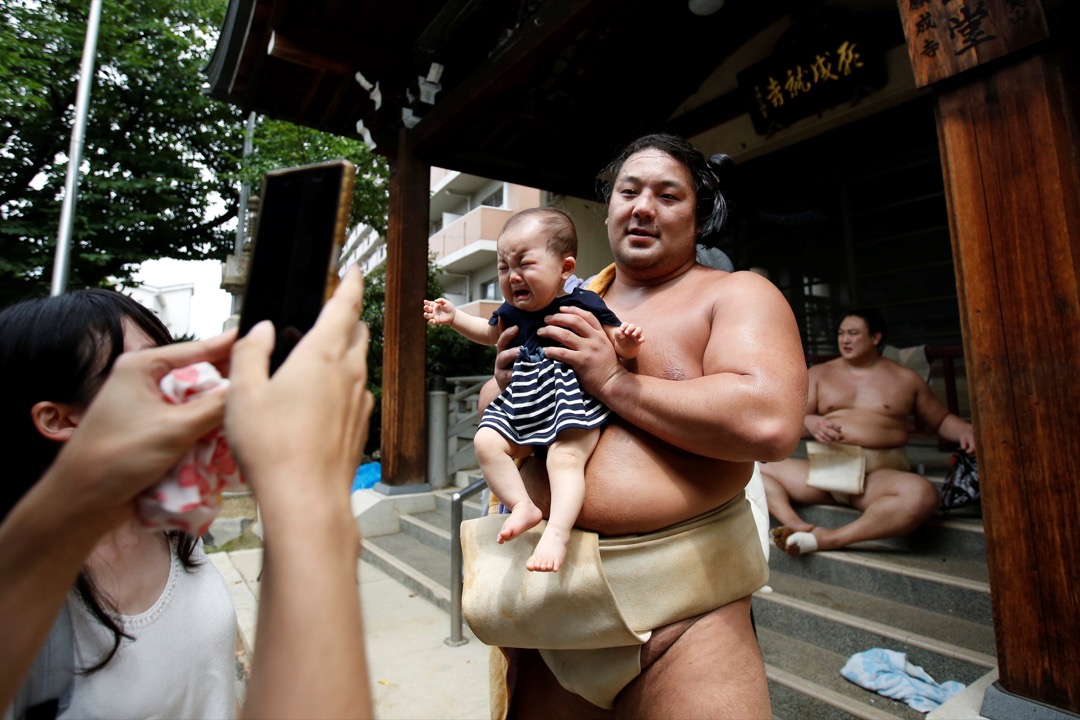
[925, 498]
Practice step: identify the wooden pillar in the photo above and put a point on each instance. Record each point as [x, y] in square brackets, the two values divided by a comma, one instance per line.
[1008, 142]
[404, 445]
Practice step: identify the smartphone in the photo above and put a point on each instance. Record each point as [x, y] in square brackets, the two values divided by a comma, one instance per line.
[299, 233]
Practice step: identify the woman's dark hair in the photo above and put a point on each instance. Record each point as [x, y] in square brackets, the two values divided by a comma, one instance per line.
[61, 349]
[708, 176]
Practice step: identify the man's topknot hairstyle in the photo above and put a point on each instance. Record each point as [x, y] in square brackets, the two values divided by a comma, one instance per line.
[711, 213]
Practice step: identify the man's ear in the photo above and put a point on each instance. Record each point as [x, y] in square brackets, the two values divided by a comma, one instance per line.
[876, 340]
[569, 264]
[55, 421]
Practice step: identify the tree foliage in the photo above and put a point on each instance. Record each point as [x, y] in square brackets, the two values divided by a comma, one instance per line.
[155, 143]
[278, 144]
[162, 162]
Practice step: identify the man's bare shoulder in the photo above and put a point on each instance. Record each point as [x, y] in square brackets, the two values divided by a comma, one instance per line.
[827, 369]
[719, 284]
[899, 374]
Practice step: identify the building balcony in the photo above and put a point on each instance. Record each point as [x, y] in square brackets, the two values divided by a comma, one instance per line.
[468, 243]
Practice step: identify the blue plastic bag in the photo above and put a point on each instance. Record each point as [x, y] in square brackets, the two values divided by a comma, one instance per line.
[366, 476]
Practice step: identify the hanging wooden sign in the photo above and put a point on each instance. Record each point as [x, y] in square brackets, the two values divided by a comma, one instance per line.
[811, 70]
[947, 37]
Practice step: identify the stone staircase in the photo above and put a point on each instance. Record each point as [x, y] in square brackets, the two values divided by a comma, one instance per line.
[926, 595]
[419, 556]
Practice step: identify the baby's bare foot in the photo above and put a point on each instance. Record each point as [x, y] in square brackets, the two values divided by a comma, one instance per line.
[550, 551]
[523, 516]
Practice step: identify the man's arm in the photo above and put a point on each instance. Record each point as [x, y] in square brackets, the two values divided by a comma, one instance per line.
[748, 404]
[937, 417]
[820, 428]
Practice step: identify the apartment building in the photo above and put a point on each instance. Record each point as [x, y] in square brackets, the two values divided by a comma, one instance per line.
[465, 217]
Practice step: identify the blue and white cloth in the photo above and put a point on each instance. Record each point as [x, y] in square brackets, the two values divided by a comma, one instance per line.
[888, 673]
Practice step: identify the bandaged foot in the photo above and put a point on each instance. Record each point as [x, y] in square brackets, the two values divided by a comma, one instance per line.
[550, 551]
[794, 543]
[523, 516]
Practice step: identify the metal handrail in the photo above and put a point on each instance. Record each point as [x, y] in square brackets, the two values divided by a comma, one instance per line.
[457, 500]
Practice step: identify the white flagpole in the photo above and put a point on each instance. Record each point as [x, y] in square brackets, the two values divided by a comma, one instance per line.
[62, 264]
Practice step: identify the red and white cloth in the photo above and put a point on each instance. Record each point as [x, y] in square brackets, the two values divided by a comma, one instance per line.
[188, 498]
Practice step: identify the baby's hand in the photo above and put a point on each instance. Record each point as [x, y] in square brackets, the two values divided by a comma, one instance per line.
[439, 312]
[627, 340]
[631, 333]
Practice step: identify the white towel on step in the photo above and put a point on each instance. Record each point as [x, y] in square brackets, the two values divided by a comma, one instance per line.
[888, 673]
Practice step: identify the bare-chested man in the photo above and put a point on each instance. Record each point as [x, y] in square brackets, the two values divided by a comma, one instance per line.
[720, 385]
[862, 399]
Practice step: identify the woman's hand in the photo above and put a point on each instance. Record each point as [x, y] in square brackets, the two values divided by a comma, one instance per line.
[130, 435]
[300, 434]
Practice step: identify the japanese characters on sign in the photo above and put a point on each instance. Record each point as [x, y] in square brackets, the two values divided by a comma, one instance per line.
[946, 37]
[798, 82]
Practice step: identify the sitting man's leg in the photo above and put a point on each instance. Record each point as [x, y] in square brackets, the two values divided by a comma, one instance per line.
[706, 666]
[894, 504]
[785, 486]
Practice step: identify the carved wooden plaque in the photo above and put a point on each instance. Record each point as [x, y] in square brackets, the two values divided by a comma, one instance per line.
[947, 37]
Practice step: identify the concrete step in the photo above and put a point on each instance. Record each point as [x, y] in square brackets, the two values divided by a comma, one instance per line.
[926, 596]
[807, 685]
[470, 509]
[917, 625]
[952, 588]
[433, 528]
[419, 555]
[844, 634]
[412, 563]
[430, 528]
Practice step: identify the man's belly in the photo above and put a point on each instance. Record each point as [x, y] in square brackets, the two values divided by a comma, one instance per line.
[635, 483]
[870, 429]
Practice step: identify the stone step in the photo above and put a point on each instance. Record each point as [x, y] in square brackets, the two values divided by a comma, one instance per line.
[433, 528]
[430, 528]
[807, 685]
[844, 634]
[915, 624]
[471, 508]
[953, 588]
[412, 563]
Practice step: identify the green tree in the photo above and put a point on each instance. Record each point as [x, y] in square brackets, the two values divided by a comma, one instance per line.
[162, 161]
[454, 354]
[277, 144]
[155, 144]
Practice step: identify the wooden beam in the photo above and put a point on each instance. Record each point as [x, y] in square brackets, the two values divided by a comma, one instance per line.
[284, 47]
[535, 41]
[1008, 146]
[404, 430]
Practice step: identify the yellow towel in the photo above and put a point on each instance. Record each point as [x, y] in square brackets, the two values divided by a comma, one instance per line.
[602, 280]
